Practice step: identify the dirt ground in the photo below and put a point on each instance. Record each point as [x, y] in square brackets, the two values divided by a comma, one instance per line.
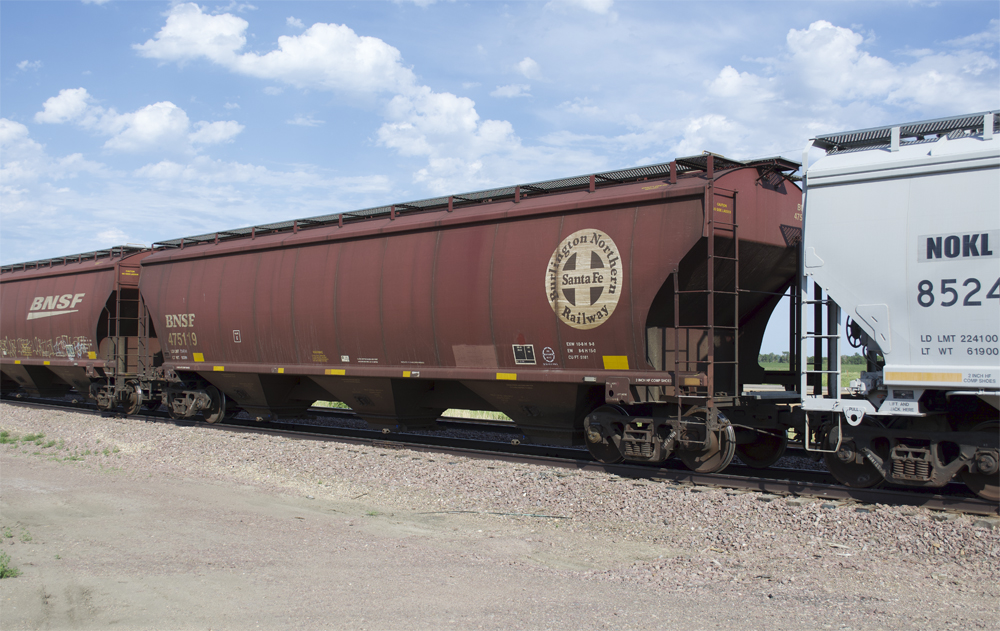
[108, 552]
[111, 549]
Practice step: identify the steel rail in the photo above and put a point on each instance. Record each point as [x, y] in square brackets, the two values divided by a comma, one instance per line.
[484, 425]
[808, 483]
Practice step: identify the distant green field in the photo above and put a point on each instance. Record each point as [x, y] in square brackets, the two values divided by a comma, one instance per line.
[331, 404]
[847, 371]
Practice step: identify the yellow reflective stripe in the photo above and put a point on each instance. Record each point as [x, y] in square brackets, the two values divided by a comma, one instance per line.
[615, 362]
[199, 357]
[218, 368]
[507, 376]
[281, 371]
[336, 371]
[46, 363]
[924, 376]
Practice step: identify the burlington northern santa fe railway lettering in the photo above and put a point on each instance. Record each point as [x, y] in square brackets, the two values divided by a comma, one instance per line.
[582, 279]
[624, 311]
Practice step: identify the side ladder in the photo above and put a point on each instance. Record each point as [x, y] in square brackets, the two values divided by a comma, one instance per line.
[128, 348]
[811, 378]
[718, 301]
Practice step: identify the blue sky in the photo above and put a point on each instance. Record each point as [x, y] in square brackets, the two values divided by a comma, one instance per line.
[132, 122]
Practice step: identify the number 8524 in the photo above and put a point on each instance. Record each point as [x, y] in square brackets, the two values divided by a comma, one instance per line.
[948, 293]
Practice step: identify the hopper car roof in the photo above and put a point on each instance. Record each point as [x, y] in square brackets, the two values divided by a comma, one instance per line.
[959, 140]
[74, 264]
[921, 132]
[609, 186]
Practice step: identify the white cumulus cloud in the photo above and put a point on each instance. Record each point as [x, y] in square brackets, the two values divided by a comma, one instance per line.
[190, 34]
[443, 128]
[158, 125]
[828, 59]
[23, 160]
[67, 105]
[214, 133]
[294, 23]
[161, 125]
[19, 155]
[821, 77]
[325, 56]
[45, 194]
[447, 130]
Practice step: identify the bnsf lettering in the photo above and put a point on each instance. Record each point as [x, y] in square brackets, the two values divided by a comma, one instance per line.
[50, 303]
[180, 320]
[952, 247]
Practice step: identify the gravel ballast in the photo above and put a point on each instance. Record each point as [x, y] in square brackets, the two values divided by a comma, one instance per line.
[601, 549]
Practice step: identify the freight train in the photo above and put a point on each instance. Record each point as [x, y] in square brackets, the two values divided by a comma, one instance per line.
[622, 310]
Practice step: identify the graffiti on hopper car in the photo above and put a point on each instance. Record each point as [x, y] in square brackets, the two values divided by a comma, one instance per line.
[63, 346]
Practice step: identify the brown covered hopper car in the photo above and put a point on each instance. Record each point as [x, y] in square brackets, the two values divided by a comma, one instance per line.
[60, 326]
[623, 310]
[544, 302]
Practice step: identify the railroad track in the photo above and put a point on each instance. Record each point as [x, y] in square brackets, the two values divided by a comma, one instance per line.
[776, 481]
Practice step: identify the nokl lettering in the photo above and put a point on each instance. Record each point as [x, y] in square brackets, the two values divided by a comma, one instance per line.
[957, 247]
[583, 279]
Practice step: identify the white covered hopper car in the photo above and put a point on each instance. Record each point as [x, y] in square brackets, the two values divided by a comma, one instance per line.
[902, 240]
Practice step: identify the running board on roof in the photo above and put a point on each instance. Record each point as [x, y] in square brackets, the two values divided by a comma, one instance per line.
[892, 136]
[706, 163]
[117, 251]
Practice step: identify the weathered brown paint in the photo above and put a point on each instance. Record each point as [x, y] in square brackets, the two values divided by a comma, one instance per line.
[34, 342]
[445, 295]
[426, 294]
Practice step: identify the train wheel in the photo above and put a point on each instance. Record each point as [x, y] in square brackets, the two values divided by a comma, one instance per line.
[985, 485]
[133, 401]
[601, 447]
[763, 452]
[714, 458]
[844, 467]
[218, 410]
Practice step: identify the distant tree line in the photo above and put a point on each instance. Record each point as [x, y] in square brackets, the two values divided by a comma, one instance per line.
[782, 358]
